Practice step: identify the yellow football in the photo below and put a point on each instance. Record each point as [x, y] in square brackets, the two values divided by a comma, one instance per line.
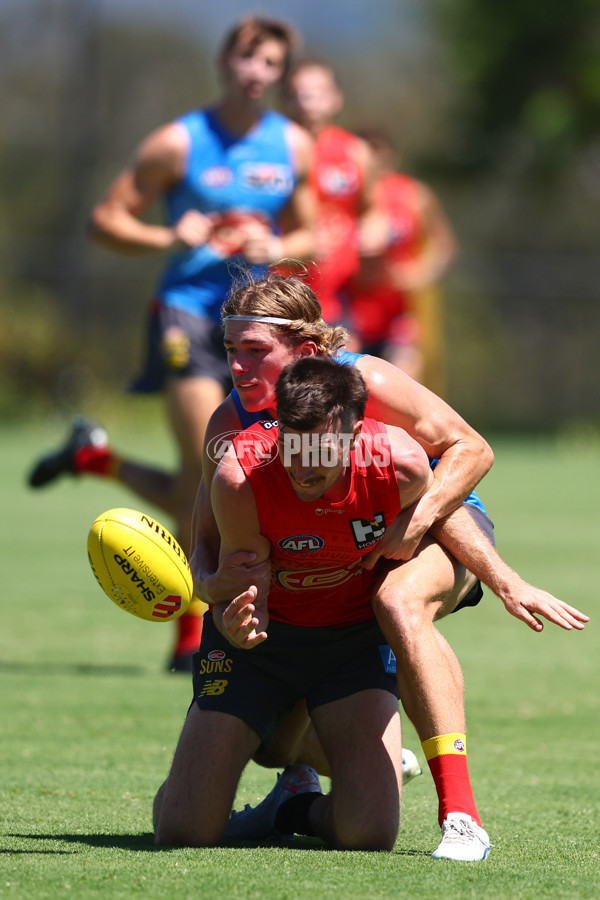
[140, 565]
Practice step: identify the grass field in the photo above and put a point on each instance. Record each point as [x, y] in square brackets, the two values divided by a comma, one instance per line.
[90, 718]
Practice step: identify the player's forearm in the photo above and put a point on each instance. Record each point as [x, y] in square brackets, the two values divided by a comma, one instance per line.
[461, 467]
[123, 233]
[298, 244]
[203, 565]
[460, 534]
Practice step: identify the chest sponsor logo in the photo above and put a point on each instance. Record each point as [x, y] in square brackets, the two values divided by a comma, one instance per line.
[315, 579]
[267, 178]
[216, 177]
[302, 543]
[338, 180]
[366, 533]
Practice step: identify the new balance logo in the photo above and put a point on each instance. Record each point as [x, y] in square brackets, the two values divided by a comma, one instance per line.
[214, 687]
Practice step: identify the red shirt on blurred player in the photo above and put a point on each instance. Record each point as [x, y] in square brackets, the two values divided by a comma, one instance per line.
[343, 177]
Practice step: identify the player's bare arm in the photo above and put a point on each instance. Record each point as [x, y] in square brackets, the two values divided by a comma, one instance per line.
[243, 621]
[465, 456]
[373, 225]
[413, 476]
[217, 580]
[460, 534]
[116, 221]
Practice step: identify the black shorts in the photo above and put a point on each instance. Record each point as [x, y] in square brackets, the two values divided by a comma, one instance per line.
[181, 345]
[262, 685]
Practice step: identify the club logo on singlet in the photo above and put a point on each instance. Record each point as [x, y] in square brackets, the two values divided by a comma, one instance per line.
[302, 543]
[338, 179]
[317, 579]
[216, 177]
[366, 533]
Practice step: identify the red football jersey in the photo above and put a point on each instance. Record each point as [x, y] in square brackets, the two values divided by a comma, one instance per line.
[337, 179]
[374, 299]
[317, 547]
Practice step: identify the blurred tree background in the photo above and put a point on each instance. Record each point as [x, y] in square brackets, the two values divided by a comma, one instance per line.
[495, 105]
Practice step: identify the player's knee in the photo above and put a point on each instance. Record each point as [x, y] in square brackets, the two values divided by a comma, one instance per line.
[173, 834]
[408, 612]
[173, 828]
[373, 835]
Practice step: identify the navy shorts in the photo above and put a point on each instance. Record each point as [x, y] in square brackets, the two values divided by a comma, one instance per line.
[262, 685]
[184, 346]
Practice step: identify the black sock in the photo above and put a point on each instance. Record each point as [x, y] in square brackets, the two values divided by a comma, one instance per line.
[292, 816]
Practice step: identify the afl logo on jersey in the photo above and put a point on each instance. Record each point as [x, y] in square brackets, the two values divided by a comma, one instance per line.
[302, 543]
[216, 177]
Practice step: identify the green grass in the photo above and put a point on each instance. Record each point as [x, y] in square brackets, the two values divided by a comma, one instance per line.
[89, 718]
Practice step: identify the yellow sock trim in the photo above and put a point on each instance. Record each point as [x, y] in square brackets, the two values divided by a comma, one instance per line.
[444, 744]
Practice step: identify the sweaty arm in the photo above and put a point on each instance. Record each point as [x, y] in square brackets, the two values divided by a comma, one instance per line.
[244, 619]
[465, 457]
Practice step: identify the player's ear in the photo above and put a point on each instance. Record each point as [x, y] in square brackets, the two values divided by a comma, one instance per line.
[308, 348]
[358, 426]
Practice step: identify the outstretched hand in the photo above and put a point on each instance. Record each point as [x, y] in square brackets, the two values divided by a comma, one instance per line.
[529, 602]
[243, 622]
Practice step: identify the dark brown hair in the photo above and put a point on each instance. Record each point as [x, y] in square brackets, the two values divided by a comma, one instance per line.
[315, 390]
[253, 30]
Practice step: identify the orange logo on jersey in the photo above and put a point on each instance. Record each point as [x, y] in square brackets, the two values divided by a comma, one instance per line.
[305, 579]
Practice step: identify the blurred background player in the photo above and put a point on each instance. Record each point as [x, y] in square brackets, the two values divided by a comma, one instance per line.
[343, 178]
[234, 182]
[396, 306]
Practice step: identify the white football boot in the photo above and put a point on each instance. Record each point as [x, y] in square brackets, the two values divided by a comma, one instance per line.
[462, 839]
[410, 766]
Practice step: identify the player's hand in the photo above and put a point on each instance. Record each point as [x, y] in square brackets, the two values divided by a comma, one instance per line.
[401, 539]
[243, 622]
[528, 602]
[261, 246]
[192, 229]
[374, 236]
[235, 574]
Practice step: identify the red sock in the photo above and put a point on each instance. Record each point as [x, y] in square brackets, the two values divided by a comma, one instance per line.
[189, 632]
[96, 461]
[446, 756]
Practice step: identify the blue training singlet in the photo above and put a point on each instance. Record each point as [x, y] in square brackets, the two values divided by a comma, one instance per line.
[344, 357]
[251, 174]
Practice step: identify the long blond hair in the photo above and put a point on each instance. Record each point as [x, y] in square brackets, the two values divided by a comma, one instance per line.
[286, 297]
